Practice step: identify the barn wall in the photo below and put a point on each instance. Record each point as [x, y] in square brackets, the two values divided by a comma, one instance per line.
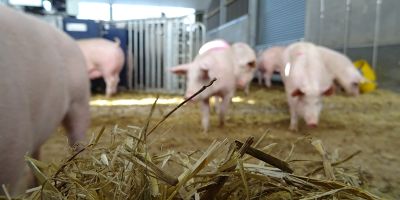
[234, 31]
[233, 21]
[331, 33]
[362, 23]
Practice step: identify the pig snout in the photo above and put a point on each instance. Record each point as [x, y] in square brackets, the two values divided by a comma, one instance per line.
[312, 125]
[312, 122]
[242, 83]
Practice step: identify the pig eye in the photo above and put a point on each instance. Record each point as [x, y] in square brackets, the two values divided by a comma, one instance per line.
[355, 84]
[251, 64]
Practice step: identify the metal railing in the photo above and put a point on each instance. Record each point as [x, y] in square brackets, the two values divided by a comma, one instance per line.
[154, 46]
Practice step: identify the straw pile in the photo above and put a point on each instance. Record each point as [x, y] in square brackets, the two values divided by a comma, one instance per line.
[125, 169]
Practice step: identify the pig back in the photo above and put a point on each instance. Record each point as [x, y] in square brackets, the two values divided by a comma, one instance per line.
[307, 69]
[220, 65]
[102, 53]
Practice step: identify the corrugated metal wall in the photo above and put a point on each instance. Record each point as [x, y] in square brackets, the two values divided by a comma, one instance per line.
[213, 15]
[280, 21]
[236, 9]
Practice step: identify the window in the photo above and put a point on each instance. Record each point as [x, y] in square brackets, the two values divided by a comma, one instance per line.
[126, 11]
[101, 11]
[95, 11]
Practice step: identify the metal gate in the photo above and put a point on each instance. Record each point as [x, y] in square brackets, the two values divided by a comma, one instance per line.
[154, 46]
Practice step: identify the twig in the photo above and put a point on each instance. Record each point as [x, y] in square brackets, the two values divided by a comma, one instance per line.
[282, 165]
[6, 192]
[181, 104]
[336, 163]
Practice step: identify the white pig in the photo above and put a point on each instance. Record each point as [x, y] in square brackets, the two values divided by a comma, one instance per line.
[342, 69]
[270, 61]
[43, 82]
[306, 80]
[217, 63]
[105, 59]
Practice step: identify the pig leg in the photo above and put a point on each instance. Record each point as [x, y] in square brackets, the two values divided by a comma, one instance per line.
[111, 85]
[32, 181]
[76, 121]
[267, 79]
[12, 163]
[259, 78]
[293, 115]
[205, 111]
[223, 108]
[247, 89]
[215, 107]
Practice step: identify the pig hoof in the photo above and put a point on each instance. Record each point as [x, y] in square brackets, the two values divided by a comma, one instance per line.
[294, 128]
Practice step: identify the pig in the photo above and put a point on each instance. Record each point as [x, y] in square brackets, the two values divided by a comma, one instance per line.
[218, 62]
[43, 82]
[342, 69]
[270, 61]
[306, 80]
[104, 58]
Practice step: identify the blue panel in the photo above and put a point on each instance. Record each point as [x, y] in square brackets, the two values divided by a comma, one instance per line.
[280, 21]
[92, 28]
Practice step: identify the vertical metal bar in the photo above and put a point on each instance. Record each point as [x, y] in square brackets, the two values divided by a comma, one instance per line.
[321, 20]
[197, 28]
[153, 54]
[110, 2]
[147, 54]
[167, 55]
[175, 51]
[150, 45]
[136, 56]
[130, 59]
[203, 29]
[347, 27]
[141, 50]
[159, 46]
[184, 49]
[376, 34]
[222, 12]
[189, 42]
[252, 11]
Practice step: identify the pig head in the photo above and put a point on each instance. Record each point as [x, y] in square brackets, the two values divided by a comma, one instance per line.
[105, 59]
[43, 82]
[245, 59]
[270, 61]
[306, 80]
[342, 69]
[215, 63]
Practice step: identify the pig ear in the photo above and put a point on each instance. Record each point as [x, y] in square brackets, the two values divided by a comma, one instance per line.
[330, 91]
[204, 71]
[180, 69]
[297, 93]
[355, 84]
[252, 64]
